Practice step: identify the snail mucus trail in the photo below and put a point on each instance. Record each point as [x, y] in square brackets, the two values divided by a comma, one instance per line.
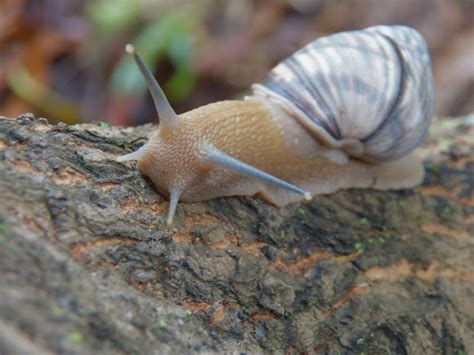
[345, 111]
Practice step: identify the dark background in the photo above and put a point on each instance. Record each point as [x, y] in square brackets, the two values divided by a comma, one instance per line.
[65, 59]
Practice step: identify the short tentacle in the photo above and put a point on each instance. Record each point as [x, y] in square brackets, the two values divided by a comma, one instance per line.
[174, 198]
[131, 156]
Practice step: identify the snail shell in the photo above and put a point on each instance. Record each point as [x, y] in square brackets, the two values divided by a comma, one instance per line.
[344, 111]
[369, 92]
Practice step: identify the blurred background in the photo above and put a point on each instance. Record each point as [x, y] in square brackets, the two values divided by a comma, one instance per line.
[65, 60]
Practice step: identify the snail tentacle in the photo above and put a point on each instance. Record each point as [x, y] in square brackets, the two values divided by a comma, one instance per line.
[215, 156]
[345, 111]
[174, 198]
[130, 156]
[167, 116]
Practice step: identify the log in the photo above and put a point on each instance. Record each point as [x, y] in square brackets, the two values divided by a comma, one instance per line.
[88, 264]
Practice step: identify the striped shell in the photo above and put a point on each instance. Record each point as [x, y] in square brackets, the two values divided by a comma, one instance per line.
[368, 92]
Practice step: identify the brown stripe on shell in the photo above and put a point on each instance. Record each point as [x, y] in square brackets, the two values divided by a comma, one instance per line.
[381, 93]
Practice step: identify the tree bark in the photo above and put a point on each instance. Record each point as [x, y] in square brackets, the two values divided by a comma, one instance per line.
[88, 265]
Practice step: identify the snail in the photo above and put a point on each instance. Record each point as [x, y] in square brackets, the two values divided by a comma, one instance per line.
[345, 111]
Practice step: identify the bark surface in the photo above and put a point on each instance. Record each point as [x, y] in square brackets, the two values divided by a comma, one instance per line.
[88, 265]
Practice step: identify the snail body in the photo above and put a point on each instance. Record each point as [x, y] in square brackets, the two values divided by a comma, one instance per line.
[345, 111]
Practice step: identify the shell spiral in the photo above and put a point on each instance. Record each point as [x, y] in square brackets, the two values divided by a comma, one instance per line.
[369, 92]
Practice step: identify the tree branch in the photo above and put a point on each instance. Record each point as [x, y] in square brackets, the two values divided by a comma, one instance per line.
[88, 264]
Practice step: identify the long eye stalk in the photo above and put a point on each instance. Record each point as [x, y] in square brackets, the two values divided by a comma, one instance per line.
[217, 157]
[168, 118]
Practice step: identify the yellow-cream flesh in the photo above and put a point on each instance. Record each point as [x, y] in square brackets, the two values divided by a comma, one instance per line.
[249, 131]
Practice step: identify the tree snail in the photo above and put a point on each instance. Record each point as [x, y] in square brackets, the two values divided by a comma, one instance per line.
[345, 111]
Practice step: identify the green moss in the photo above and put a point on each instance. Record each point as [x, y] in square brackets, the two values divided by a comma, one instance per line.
[162, 324]
[400, 202]
[431, 167]
[406, 327]
[75, 336]
[56, 311]
[4, 230]
[446, 211]
[445, 143]
[103, 124]
[280, 235]
[141, 183]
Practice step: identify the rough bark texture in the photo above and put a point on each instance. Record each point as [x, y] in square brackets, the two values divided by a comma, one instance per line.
[87, 264]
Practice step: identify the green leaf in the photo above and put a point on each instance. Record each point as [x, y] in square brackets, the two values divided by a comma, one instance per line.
[180, 84]
[169, 36]
[75, 336]
[110, 16]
